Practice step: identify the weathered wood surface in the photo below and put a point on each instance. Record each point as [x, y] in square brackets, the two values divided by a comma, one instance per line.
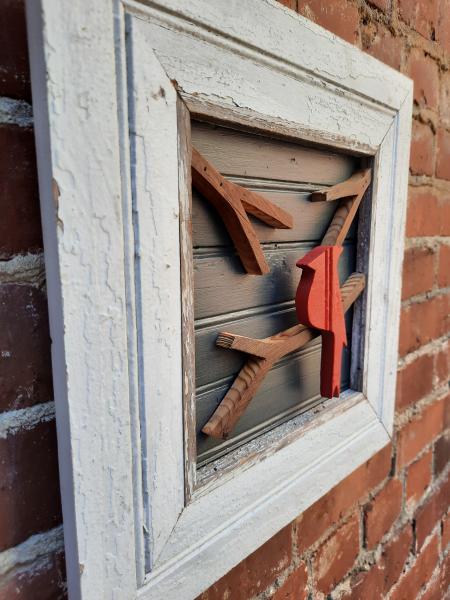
[243, 154]
[347, 209]
[264, 354]
[355, 185]
[297, 374]
[310, 219]
[213, 363]
[232, 202]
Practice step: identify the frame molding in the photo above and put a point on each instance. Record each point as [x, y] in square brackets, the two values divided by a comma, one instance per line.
[112, 90]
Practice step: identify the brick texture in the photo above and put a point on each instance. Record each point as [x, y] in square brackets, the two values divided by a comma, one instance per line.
[367, 537]
[25, 368]
[256, 572]
[336, 555]
[315, 521]
[415, 579]
[295, 586]
[419, 478]
[419, 432]
[14, 68]
[381, 513]
[29, 485]
[20, 226]
[415, 381]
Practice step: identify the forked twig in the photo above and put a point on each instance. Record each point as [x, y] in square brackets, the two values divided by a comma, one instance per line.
[264, 354]
[233, 202]
[269, 350]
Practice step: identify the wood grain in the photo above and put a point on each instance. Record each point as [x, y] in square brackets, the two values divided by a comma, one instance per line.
[354, 189]
[233, 202]
[221, 285]
[240, 153]
[264, 354]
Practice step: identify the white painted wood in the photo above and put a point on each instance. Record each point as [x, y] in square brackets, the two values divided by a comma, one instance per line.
[238, 516]
[74, 101]
[111, 145]
[154, 164]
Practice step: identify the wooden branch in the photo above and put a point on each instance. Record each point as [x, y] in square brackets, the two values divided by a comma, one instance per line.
[265, 353]
[351, 192]
[233, 202]
[354, 185]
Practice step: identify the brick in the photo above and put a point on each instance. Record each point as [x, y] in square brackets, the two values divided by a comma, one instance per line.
[444, 106]
[443, 154]
[424, 214]
[366, 584]
[336, 555]
[423, 322]
[382, 512]
[444, 266]
[381, 4]
[295, 586]
[256, 572]
[20, 226]
[446, 402]
[422, 149]
[433, 590]
[422, 16]
[25, 365]
[443, 26]
[441, 454]
[424, 71]
[430, 513]
[342, 18]
[394, 557]
[419, 432]
[379, 42]
[418, 478]
[14, 67]
[438, 587]
[442, 365]
[414, 579]
[445, 531]
[292, 4]
[418, 271]
[415, 381]
[43, 581]
[331, 508]
[29, 485]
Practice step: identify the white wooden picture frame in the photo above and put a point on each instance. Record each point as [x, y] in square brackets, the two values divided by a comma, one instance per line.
[114, 82]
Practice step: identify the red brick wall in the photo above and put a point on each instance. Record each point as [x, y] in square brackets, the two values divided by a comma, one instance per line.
[384, 531]
[381, 531]
[31, 541]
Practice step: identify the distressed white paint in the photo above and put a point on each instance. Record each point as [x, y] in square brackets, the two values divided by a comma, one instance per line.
[252, 63]
[154, 161]
[74, 95]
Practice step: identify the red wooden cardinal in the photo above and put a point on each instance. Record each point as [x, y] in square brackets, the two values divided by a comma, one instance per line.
[319, 305]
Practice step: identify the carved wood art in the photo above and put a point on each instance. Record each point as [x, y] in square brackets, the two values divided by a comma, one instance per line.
[233, 202]
[318, 303]
[314, 306]
[265, 353]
